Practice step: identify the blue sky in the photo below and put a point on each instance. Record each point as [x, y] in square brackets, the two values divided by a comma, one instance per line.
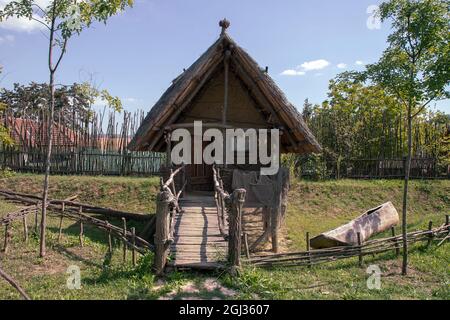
[139, 52]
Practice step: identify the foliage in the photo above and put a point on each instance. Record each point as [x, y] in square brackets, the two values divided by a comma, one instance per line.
[77, 98]
[5, 138]
[6, 173]
[68, 16]
[62, 18]
[313, 166]
[414, 67]
[366, 114]
[364, 121]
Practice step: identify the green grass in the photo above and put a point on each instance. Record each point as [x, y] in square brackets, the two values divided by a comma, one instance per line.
[135, 194]
[313, 206]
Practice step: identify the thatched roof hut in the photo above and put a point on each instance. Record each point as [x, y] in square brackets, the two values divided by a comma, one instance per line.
[225, 77]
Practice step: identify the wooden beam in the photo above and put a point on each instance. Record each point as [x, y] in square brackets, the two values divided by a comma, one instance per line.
[191, 125]
[225, 94]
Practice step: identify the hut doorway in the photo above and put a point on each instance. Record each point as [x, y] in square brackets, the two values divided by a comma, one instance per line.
[200, 176]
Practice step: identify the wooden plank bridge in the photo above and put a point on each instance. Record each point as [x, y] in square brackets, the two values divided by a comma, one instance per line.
[197, 241]
[201, 231]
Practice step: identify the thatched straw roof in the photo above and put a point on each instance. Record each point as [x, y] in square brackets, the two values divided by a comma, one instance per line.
[259, 84]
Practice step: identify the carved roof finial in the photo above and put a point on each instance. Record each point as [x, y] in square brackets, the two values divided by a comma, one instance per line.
[224, 24]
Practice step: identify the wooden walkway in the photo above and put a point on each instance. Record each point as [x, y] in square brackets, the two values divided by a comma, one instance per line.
[198, 243]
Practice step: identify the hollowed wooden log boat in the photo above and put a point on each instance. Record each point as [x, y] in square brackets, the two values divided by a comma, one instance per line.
[369, 223]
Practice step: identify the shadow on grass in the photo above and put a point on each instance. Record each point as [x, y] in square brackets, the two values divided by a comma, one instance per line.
[111, 273]
[71, 255]
[94, 234]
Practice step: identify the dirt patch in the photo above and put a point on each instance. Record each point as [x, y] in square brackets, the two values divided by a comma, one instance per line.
[207, 289]
[51, 264]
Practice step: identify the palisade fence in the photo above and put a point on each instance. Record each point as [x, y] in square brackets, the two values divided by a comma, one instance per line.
[89, 144]
[421, 168]
[95, 143]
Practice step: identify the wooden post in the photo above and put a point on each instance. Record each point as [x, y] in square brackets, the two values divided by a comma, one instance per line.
[447, 222]
[172, 184]
[397, 248]
[25, 228]
[235, 229]
[6, 242]
[247, 250]
[162, 232]
[183, 179]
[360, 257]
[109, 238]
[63, 206]
[81, 227]
[133, 251]
[430, 235]
[167, 137]
[308, 249]
[36, 218]
[124, 241]
[274, 228]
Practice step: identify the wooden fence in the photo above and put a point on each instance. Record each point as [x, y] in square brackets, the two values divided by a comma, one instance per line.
[376, 168]
[372, 247]
[423, 168]
[79, 212]
[85, 162]
[94, 145]
[166, 206]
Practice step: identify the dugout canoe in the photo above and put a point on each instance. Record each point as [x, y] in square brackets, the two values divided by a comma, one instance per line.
[371, 222]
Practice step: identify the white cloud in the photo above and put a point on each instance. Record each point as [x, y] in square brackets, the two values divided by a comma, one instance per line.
[341, 65]
[132, 100]
[6, 38]
[314, 65]
[292, 72]
[359, 63]
[23, 24]
[305, 67]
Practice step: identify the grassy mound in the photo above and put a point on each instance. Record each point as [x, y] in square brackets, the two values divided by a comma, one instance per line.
[313, 207]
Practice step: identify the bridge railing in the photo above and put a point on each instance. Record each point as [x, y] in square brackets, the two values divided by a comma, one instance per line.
[223, 201]
[231, 206]
[166, 207]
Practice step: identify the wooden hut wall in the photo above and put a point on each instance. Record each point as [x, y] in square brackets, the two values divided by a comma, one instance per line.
[242, 111]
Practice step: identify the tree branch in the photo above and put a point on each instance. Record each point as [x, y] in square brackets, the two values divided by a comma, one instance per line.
[61, 55]
[423, 106]
[14, 283]
[41, 22]
[40, 8]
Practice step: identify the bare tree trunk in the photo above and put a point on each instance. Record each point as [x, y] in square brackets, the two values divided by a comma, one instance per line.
[42, 247]
[405, 195]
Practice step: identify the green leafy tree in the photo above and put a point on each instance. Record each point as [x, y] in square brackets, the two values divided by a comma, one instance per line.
[71, 101]
[62, 19]
[5, 138]
[414, 67]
